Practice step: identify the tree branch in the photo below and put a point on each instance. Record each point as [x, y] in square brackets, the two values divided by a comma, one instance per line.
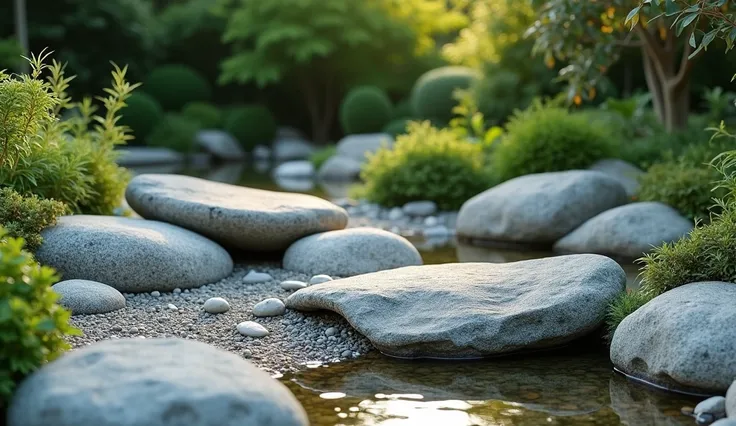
[686, 64]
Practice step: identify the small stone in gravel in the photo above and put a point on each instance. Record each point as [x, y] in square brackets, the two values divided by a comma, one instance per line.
[88, 297]
[216, 305]
[319, 279]
[711, 409]
[252, 329]
[431, 221]
[177, 290]
[293, 285]
[254, 277]
[172, 307]
[330, 331]
[395, 214]
[156, 293]
[346, 354]
[420, 208]
[269, 308]
[436, 232]
[247, 353]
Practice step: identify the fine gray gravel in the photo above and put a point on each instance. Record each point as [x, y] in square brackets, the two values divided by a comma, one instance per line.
[294, 339]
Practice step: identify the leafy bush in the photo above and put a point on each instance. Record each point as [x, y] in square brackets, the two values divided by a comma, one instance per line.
[655, 147]
[208, 116]
[10, 54]
[365, 109]
[176, 85]
[141, 114]
[319, 157]
[32, 325]
[402, 110]
[251, 125]
[548, 139]
[175, 132]
[623, 306]
[433, 94]
[26, 217]
[426, 164]
[397, 127]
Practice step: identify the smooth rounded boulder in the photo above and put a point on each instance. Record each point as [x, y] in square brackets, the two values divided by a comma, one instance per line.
[339, 168]
[626, 173]
[153, 382]
[461, 310]
[359, 146]
[538, 209]
[88, 297]
[132, 255]
[684, 339]
[235, 216]
[627, 231]
[350, 252]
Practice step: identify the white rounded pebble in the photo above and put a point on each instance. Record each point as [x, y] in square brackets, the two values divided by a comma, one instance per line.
[269, 308]
[331, 331]
[431, 221]
[395, 213]
[216, 305]
[172, 307]
[254, 277]
[252, 329]
[155, 293]
[177, 290]
[293, 285]
[319, 279]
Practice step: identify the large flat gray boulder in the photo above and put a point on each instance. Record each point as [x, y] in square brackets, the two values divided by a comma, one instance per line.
[461, 310]
[244, 218]
[339, 168]
[359, 146]
[539, 209]
[153, 382]
[626, 173]
[684, 339]
[84, 297]
[350, 252]
[627, 231]
[132, 255]
[147, 156]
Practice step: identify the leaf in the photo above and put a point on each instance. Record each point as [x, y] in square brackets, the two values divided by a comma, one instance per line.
[670, 8]
[633, 14]
[692, 39]
[685, 22]
[709, 38]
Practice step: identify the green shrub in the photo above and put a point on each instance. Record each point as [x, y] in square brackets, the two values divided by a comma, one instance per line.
[397, 127]
[658, 145]
[319, 157]
[176, 85]
[32, 324]
[624, 305]
[432, 97]
[365, 109]
[402, 110]
[208, 116]
[426, 164]
[141, 113]
[175, 132]
[10, 54]
[251, 125]
[549, 139]
[26, 217]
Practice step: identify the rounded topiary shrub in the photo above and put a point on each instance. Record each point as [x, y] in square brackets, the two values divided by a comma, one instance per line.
[426, 164]
[549, 139]
[32, 324]
[207, 115]
[175, 132]
[397, 127]
[365, 109]
[432, 97]
[251, 125]
[402, 110]
[176, 85]
[141, 114]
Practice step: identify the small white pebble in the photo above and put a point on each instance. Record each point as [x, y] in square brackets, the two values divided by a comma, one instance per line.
[172, 307]
[293, 285]
[177, 290]
[269, 308]
[319, 279]
[331, 331]
[254, 277]
[216, 305]
[155, 293]
[431, 221]
[252, 329]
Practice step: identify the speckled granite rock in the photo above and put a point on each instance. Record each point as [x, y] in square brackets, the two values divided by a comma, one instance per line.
[540, 208]
[684, 339]
[627, 231]
[244, 218]
[132, 255]
[153, 382]
[731, 400]
[624, 172]
[88, 297]
[473, 309]
[350, 252]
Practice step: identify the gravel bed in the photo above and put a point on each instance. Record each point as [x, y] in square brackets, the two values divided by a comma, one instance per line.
[295, 338]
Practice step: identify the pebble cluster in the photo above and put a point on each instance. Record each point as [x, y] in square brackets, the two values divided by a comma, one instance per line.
[243, 313]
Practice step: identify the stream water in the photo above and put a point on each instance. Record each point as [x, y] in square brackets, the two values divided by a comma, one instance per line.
[575, 385]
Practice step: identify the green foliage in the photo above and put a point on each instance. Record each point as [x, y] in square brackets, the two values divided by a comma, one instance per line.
[365, 109]
[26, 217]
[719, 104]
[623, 306]
[433, 96]
[141, 114]
[10, 54]
[470, 124]
[319, 157]
[208, 115]
[647, 144]
[175, 132]
[402, 110]
[426, 164]
[72, 161]
[548, 139]
[251, 125]
[396, 127]
[176, 85]
[32, 324]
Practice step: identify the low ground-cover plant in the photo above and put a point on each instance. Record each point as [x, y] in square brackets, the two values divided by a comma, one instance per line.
[426, 164]
[25, 217]
[365, 109]
[32, 324]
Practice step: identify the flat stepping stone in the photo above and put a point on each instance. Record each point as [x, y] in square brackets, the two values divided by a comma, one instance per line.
[239, 217]
[132, 255]
[627, 231]
[684, 339]
[350, 252]
[152, 382]
[88, 297]
[462, 310]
